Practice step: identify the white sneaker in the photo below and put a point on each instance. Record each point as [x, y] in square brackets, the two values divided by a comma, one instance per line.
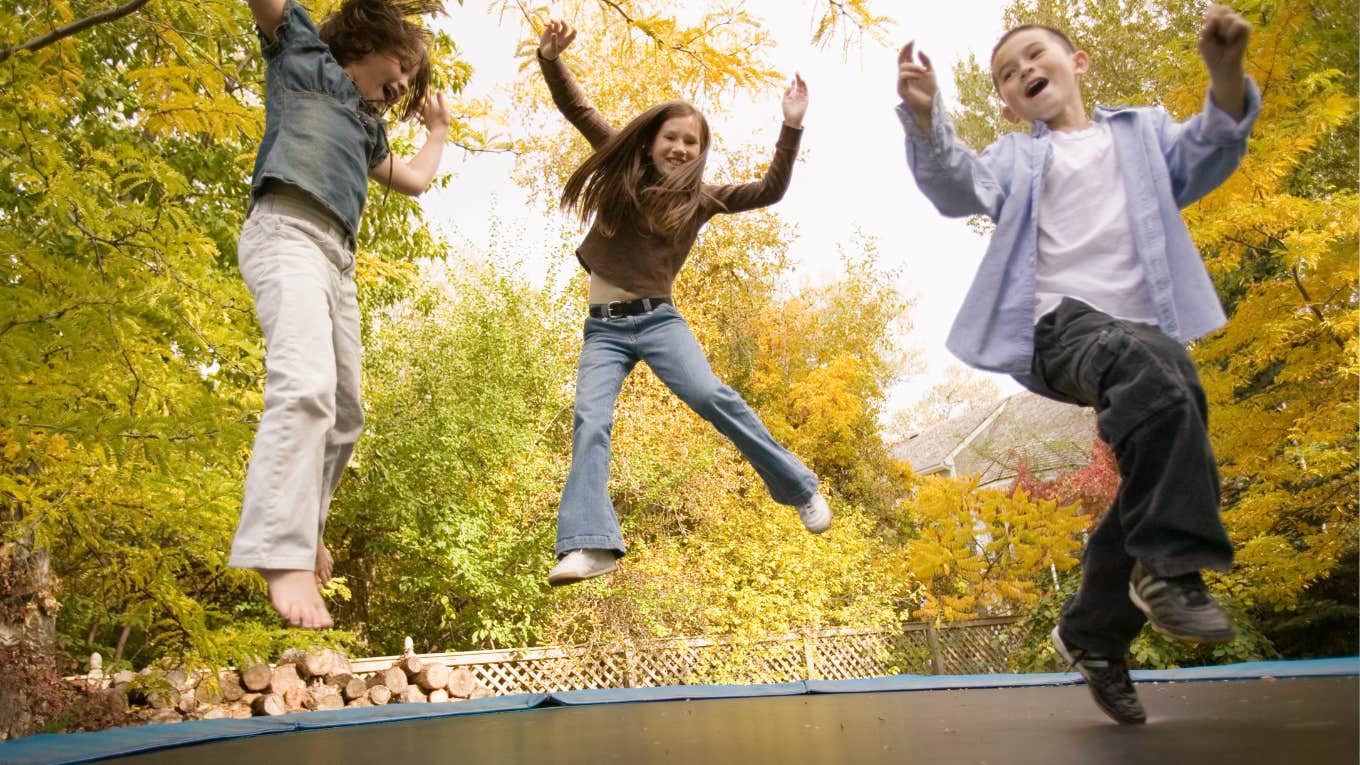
[582, 564]
[815, 514]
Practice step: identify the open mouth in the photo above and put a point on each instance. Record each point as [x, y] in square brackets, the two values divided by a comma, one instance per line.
[1035, 88]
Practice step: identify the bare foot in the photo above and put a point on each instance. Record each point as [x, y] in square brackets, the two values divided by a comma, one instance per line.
[325, 564]
[293, 594]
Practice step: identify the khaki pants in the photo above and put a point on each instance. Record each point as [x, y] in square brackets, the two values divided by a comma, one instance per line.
[299, 267]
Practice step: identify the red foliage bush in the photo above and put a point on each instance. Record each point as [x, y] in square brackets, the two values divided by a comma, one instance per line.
[1091, 487]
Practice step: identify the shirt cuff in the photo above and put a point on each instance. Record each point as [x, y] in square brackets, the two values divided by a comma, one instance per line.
[1219, 127]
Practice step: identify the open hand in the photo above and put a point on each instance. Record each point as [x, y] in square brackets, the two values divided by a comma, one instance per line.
[434, 113]
[556, 37]
[915, 80]
[795, 102]
[1223, 40]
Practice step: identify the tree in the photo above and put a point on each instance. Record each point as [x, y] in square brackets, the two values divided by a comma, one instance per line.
[986, 552]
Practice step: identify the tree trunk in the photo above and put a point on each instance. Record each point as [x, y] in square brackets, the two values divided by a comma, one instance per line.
[285, 678]
[29, 626]
[270, 704]
[319, 663]
[395, 680]
[433, 676]
[461, 682]
[256, 677]
[355, 688]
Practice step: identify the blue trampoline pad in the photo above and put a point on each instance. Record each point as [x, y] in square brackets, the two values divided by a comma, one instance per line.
[1302, 712]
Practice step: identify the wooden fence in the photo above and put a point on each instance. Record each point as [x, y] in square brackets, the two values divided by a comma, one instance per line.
[975, 647]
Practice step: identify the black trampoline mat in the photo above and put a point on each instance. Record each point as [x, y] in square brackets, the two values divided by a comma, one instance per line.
[1305, 721]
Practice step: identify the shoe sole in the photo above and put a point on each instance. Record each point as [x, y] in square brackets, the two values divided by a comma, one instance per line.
[1067, 657]
[565, 579]
[817, 528]
[1208, 638]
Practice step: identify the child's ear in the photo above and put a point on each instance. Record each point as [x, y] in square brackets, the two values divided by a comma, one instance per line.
[1081, 63]
[1009, 114]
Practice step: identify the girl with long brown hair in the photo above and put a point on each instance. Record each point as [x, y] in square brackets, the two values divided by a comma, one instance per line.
[643, 193]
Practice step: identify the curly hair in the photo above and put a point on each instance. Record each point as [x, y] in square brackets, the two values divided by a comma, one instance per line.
[361, 27]
[619, 181]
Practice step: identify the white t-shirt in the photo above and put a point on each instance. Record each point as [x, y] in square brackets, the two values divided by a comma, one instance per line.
[1085, 245]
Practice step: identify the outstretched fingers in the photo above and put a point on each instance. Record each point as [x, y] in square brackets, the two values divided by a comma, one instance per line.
[557, 36]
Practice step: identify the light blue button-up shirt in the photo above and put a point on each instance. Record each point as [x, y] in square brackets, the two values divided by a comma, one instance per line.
[1166, 165]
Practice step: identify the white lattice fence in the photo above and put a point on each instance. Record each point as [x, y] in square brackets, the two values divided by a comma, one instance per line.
[835, 654]
[979, 649]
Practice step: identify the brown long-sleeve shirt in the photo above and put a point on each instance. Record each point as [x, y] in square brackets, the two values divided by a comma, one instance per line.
[644, 262]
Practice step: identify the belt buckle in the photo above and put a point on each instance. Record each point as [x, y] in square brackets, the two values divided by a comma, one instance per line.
[609, 309]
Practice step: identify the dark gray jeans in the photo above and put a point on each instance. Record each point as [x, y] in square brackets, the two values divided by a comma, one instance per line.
[1151, 410]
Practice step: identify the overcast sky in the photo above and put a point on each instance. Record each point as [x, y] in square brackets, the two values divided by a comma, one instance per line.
[853, 174]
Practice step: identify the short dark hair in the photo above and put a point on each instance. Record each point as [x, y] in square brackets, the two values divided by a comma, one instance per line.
[1054, 31]
[361, 27]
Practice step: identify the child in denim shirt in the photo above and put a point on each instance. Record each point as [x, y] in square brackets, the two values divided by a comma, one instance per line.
[325, 94]
[1088, 292]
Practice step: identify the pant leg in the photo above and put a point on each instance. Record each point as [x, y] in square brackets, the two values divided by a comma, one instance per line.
[669, 348]
[1100, 617]
[1151, 410]
[349, 411]
[294, 286]
[585, 516]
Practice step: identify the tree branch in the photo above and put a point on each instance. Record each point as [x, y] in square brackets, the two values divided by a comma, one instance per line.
[73, 28]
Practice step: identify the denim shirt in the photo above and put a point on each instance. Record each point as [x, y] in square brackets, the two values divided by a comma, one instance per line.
[320, 135]
[1165, 166]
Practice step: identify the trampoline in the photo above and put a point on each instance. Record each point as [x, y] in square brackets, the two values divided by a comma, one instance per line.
[1269, 712]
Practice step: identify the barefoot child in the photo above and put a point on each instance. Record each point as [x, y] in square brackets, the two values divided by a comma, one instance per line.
[643, 189]
[1088, 292]
[326, 92]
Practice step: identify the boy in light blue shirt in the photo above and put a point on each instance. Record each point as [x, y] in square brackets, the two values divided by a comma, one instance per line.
[1088, 292]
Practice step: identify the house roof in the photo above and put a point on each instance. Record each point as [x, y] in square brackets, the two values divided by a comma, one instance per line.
[991, 439]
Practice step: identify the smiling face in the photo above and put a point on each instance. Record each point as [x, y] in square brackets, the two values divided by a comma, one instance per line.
[677, 142]
[381, 79]
[1037, 77]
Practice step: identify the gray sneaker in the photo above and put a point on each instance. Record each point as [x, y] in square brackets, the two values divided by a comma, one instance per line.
[815, 513]
[582, 564]
[1180, 607]
[1109, 681]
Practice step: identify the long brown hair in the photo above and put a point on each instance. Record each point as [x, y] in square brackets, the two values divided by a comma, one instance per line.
[619, 181]
[361, 27]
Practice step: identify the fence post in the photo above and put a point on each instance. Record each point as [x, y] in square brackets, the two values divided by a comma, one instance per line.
[810, 654]
[933, 640]
[630, 664]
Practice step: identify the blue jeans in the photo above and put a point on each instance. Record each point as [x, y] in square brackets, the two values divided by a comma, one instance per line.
[586, 518]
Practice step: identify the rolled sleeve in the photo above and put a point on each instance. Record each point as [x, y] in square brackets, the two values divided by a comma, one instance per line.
[1219, 127]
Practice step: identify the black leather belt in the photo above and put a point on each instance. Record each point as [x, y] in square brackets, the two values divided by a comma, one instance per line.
[625, 307]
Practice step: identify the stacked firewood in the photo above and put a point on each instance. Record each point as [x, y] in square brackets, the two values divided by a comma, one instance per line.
[300, 681]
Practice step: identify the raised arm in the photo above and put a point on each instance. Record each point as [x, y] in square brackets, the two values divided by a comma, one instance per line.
[557, 35]
[916, 84]
[1204, 150]
[952, 177]
[1223, 44]
[268, 16]
[771, 187]
[413, 177]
